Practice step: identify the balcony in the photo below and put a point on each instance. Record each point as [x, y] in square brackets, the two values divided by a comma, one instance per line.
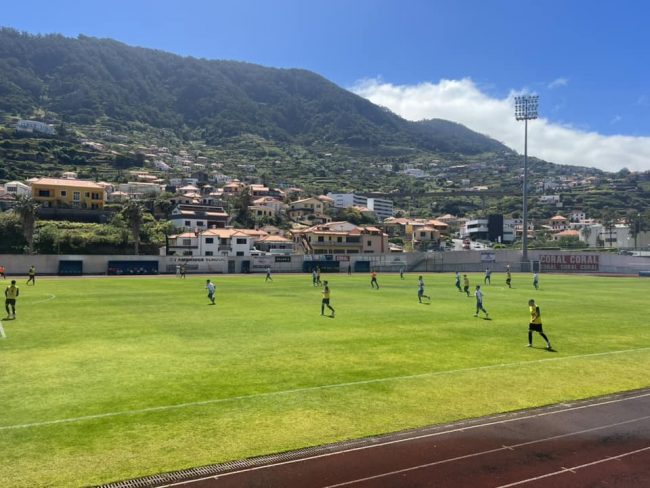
[336, 244]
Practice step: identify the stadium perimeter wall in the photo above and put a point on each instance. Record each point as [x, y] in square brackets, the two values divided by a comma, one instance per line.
[462, 261]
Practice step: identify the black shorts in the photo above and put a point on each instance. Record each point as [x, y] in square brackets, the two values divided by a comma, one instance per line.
[535, 327]
[10, 301]
[326, 301]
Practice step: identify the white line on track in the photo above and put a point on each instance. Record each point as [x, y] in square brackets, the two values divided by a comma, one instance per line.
[214, 401]
[434, 434]
[574, 468]
[487, 451]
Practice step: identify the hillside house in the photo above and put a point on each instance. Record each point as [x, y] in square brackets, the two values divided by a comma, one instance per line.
[17, 189]
[198, 217]
[566, 233]
[68, 193]
[558, 223]
[309, 211]
[341, 238]
[35, 126]
[275, 244]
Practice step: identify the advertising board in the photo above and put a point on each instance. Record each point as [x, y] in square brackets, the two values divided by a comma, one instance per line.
[569, 262]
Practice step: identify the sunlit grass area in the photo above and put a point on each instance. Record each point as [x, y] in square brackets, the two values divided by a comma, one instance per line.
[105, 379]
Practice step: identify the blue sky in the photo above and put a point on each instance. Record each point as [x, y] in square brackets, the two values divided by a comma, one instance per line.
[585, 59]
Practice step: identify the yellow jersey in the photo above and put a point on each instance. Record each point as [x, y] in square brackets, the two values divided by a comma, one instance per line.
[11, 292]
[326, 292]
[535, 315]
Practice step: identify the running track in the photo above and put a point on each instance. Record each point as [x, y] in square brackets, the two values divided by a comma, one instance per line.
[603, 442]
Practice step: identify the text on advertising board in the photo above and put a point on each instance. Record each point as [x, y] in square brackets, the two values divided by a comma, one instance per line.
[570, 262]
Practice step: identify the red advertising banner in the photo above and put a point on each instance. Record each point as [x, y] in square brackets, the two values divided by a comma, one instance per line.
[570, 262]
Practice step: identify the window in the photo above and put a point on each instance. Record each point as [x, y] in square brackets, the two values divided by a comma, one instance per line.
[339, 239]
[64, 193]
[76, 196]
[187, 242]
[199, 223]
[208, 253]
[87, 194]
[188, 223]
[209, 240]
[321, 239]
[369, 243]
[96, 196]
[241, 240]
[240, 253]
[43, 193]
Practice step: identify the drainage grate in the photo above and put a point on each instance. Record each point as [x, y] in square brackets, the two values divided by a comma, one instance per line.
[163, 479]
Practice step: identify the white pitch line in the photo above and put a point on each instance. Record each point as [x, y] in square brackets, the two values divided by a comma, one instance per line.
[49, 297]
[574, 468]
[308, 389]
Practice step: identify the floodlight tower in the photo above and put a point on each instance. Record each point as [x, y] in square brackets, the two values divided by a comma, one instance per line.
[526, 109]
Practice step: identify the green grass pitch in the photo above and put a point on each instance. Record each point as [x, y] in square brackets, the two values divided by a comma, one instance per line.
[103, 379]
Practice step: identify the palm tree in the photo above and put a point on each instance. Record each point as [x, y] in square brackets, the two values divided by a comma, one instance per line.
[163, 205]
[586, 232]
[133, 214]
[26, 208]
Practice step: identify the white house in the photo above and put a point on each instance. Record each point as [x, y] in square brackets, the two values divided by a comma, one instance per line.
[214, 242]
[35, 126]
[225, 242]
[198, 217]
[16, 188]
[273, 203]
[139, 189]
[597, 235]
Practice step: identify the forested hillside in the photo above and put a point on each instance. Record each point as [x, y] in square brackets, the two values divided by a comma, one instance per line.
[82, 80]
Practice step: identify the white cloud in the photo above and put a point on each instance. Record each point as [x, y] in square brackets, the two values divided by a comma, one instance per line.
[463, 102]
[557, 83]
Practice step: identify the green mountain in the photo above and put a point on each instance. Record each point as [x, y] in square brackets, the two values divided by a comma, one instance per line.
[86, 79]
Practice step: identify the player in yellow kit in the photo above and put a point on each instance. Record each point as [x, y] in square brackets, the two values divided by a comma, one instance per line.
[31, 275]
[11, 293]
[535, 324]
[466, 284]
[326, 299]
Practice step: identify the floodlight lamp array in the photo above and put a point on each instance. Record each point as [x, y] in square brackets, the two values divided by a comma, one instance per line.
[526, 107]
